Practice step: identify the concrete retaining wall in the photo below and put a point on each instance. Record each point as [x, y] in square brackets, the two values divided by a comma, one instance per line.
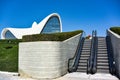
[115, 39]
[46, 59]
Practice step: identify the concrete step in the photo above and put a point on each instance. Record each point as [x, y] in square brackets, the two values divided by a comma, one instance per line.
[102, 41]
[102, 55]
[87, 43]
[102, 45]
[82, 64]
[101, 37]
[102, 60]
[81, 70]
[82, 61]
[83, 58]
[87, 40]
[102, 52]
[100, 63]
[85, 50]
[85, 55]
[82, 67]
[102, 67]
[102, 49]
[102, 71]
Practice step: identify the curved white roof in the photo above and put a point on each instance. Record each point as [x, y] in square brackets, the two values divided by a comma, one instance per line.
[35, 29]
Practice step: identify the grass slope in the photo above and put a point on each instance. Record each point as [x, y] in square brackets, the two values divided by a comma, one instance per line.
[9, 55]
[116, 30]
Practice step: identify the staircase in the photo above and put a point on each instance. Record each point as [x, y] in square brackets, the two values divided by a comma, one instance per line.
[102, 57]
[85, 53]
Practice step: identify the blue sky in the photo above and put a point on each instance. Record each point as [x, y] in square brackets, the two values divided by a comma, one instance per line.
[87, 15]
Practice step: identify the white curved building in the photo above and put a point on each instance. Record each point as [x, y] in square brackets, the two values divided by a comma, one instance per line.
[51, 24]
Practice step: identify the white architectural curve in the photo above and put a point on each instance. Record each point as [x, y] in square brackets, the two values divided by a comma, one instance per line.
[35, 29]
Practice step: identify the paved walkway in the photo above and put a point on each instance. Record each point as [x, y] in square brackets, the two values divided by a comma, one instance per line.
[11, 76]
[84, 76]
[69, 76]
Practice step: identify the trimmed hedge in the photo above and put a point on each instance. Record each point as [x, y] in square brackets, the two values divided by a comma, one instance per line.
[116, 30]
[51, 37]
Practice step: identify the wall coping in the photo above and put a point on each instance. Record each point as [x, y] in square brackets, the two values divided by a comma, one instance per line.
[72, 37]
[116, 35]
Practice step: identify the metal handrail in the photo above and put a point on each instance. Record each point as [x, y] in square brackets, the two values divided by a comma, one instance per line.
[75, 60]
[94, 66]
[91, 60]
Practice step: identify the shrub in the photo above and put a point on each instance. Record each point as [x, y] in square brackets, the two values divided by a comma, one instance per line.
[8, 47]
[116, 30]
[51, 37]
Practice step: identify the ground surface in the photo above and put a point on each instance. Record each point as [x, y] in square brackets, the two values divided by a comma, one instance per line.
[84, 76]
[70, 76]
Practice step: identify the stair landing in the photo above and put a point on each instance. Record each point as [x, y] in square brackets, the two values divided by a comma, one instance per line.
[84, 76]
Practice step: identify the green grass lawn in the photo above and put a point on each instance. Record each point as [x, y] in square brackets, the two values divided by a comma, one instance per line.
[9, 55]
[116, 30]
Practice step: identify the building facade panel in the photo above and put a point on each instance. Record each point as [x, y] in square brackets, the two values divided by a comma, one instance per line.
[9, 35]
[52, 25]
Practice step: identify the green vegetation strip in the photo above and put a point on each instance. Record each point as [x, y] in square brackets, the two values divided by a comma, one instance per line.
[9, 55]
[116, 30]
[51, 37]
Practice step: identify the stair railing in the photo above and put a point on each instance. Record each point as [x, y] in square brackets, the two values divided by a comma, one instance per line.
[91, 59]
[110, 55]
[89, 62]
[73, 62]
[94, 65]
